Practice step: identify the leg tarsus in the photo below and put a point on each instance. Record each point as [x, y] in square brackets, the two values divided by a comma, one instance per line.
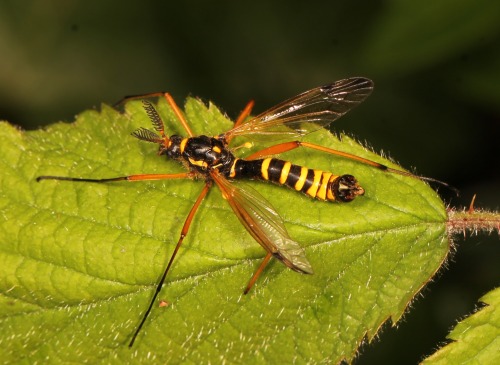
[137, 97]
[141, 177]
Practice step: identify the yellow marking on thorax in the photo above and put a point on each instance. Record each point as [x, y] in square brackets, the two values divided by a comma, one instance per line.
[199, 163]
[302, 178]
[284, 172]
[315, 185]
[216, 149]
[265, 167]
[232, 173]
[321, 194]
[182, 146]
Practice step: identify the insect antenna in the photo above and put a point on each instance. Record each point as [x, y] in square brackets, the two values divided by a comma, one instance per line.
[154, 116]
[146, 135]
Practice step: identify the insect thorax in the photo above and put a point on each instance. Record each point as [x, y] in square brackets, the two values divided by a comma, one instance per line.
[202, 153]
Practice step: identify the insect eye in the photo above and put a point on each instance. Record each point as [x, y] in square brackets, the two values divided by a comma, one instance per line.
[346, 188]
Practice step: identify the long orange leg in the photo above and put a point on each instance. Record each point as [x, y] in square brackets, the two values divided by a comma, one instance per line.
[257, 273]
[241, 118]
[184, 232]
[244, 113]
[288, 146]
[170, 101]
[178, 114]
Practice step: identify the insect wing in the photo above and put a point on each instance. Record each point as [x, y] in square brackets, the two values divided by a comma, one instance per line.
[308, 111]
[264, 224]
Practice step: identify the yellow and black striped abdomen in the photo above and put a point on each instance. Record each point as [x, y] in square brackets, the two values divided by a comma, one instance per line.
[317, 184]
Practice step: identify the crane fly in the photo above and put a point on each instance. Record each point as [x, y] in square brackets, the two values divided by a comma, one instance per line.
[211, 159]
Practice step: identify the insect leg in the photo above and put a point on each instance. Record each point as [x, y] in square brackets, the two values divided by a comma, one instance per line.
[141, 177]
[288, 146]
[258, 272]
[244, 113]
[137, 97]
[170, 102]
[184, 232]
[178, 114]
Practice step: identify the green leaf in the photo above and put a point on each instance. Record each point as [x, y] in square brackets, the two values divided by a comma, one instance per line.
[80, 261]
[476, 339]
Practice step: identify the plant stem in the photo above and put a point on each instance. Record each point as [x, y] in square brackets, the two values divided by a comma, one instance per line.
[472, 220]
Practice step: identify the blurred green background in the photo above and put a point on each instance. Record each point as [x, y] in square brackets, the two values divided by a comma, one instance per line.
[436, 105]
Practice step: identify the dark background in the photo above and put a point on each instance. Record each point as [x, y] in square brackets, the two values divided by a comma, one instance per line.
[436, 105]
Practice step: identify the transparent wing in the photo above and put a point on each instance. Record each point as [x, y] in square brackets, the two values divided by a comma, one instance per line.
[264, 224]
[308, 111]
